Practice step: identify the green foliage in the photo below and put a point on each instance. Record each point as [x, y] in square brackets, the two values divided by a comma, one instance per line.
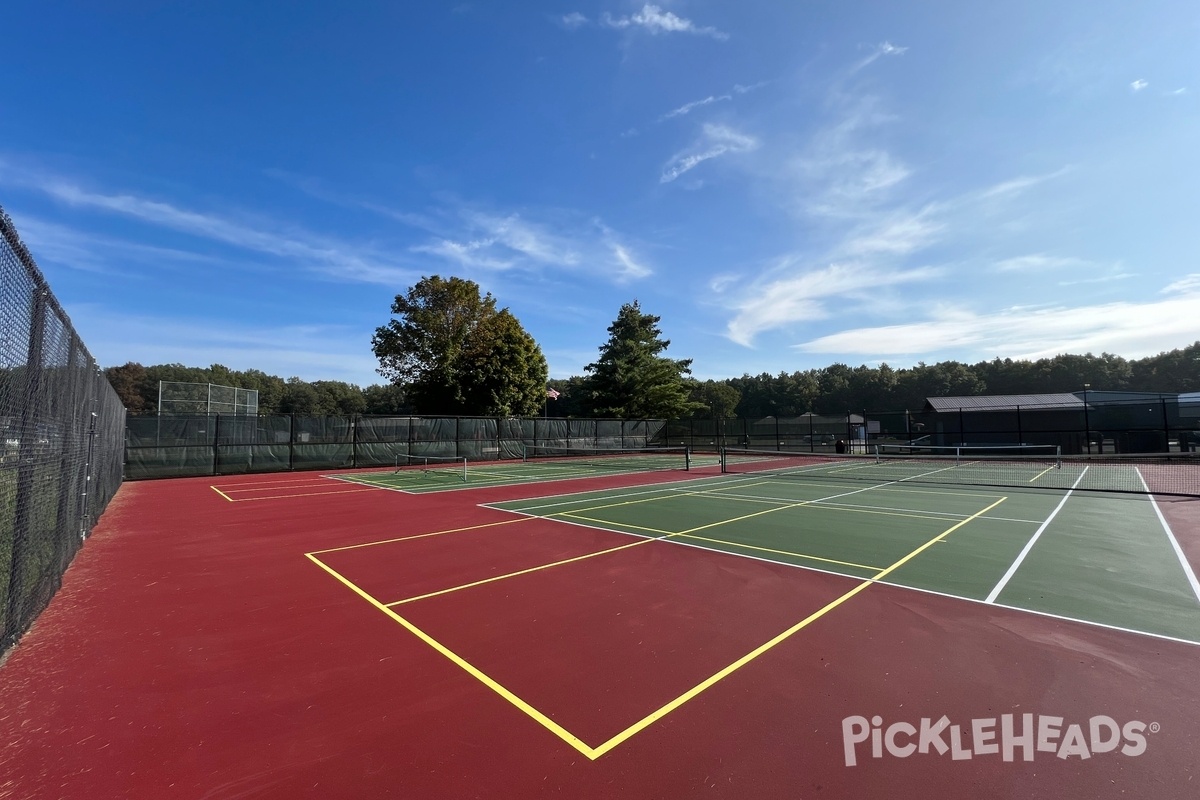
[454, 353]
[385, 399]
[838, 388]
[573, 399]
[129, 382]
[508, 384]
[631, 380]
[714, 399]
[503, 372]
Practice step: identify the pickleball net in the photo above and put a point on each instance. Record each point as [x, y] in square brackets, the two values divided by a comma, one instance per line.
[616, 459]
[1166, 473]
[447, 467]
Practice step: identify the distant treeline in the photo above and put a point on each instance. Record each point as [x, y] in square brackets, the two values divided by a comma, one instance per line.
[829, 390]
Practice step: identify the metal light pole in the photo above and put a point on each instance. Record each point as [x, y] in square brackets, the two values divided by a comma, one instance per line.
[1087, 427]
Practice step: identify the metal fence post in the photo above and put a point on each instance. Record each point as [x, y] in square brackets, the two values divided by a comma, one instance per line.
[216, 434]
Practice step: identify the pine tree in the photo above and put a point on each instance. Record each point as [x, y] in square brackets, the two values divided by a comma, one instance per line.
[631, 379]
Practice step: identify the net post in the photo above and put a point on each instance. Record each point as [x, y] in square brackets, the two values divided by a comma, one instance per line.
[687, 459]
[1058, 456]
[724, 459]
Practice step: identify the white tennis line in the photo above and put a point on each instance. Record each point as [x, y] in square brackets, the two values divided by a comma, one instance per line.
[1012, 570]
[1187, 568]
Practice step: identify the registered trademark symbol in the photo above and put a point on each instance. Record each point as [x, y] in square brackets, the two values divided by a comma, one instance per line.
[1155, 727]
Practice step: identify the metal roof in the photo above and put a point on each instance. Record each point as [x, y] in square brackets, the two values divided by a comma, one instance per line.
[1006, 402]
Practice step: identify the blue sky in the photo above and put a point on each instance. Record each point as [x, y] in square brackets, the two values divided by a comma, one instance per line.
[787, 184]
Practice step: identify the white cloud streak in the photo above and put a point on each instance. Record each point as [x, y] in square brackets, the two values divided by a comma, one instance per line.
[655, 20]
[496, 242]
[1132, 329]
[574, 20]
[687, 108]
[1038, 262]
[1138, 85]
[717, 140]
[1189, 284]
[337, 258]
[311, 352]
[1018, 185]
[881, 49]
[808, 296]
[86, 252]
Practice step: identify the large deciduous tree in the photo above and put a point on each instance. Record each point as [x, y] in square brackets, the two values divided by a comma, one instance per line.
[631, 379]
[132, 383]
[453, 353]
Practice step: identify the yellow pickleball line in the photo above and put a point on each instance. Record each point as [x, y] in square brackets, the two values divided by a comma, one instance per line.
[218, 491]
[467, 666]
[574, 741]
[526, 571]
[746, 659]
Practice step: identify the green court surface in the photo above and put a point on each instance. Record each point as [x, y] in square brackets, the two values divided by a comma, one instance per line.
[482, 474]
[1099, 558]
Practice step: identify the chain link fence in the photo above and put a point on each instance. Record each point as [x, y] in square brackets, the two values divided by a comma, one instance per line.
[62, 428]
[1091, 427]
[174, 445]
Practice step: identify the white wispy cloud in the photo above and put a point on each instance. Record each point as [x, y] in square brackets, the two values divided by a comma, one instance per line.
[76, 249]
[1038, 262]
[529, 239]
[574, 20]
[1188, 284]
[471, 254]
[1130, 328]
[1116, 276]
[1138, 85]
[809, 294]
[490, 241]
[313, 351]
[687, 108]
[1017, 185]
[844, 181]
[314, 187]
[333, 257]
[628, 267]
[880, 50]
[655, 20]
[897, 233]
[740, 89]
[716, 140]
[843, 173]
[1179, 91]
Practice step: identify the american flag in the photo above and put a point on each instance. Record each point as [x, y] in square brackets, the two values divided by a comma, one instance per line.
[552, 394]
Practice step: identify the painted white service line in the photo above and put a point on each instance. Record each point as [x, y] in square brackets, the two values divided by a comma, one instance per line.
[1187, 568]
[1012, 570]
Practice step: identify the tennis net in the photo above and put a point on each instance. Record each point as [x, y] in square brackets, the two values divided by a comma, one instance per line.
[432, 466]
[1167, 473]
[970, 452]
[618, 459]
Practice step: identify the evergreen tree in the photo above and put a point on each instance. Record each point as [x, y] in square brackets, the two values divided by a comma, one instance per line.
[631, 380]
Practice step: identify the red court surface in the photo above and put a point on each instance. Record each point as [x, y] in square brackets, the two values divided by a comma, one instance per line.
[195, 651]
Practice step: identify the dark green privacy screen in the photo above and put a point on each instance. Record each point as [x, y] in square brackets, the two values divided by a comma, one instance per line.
[176, 445]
